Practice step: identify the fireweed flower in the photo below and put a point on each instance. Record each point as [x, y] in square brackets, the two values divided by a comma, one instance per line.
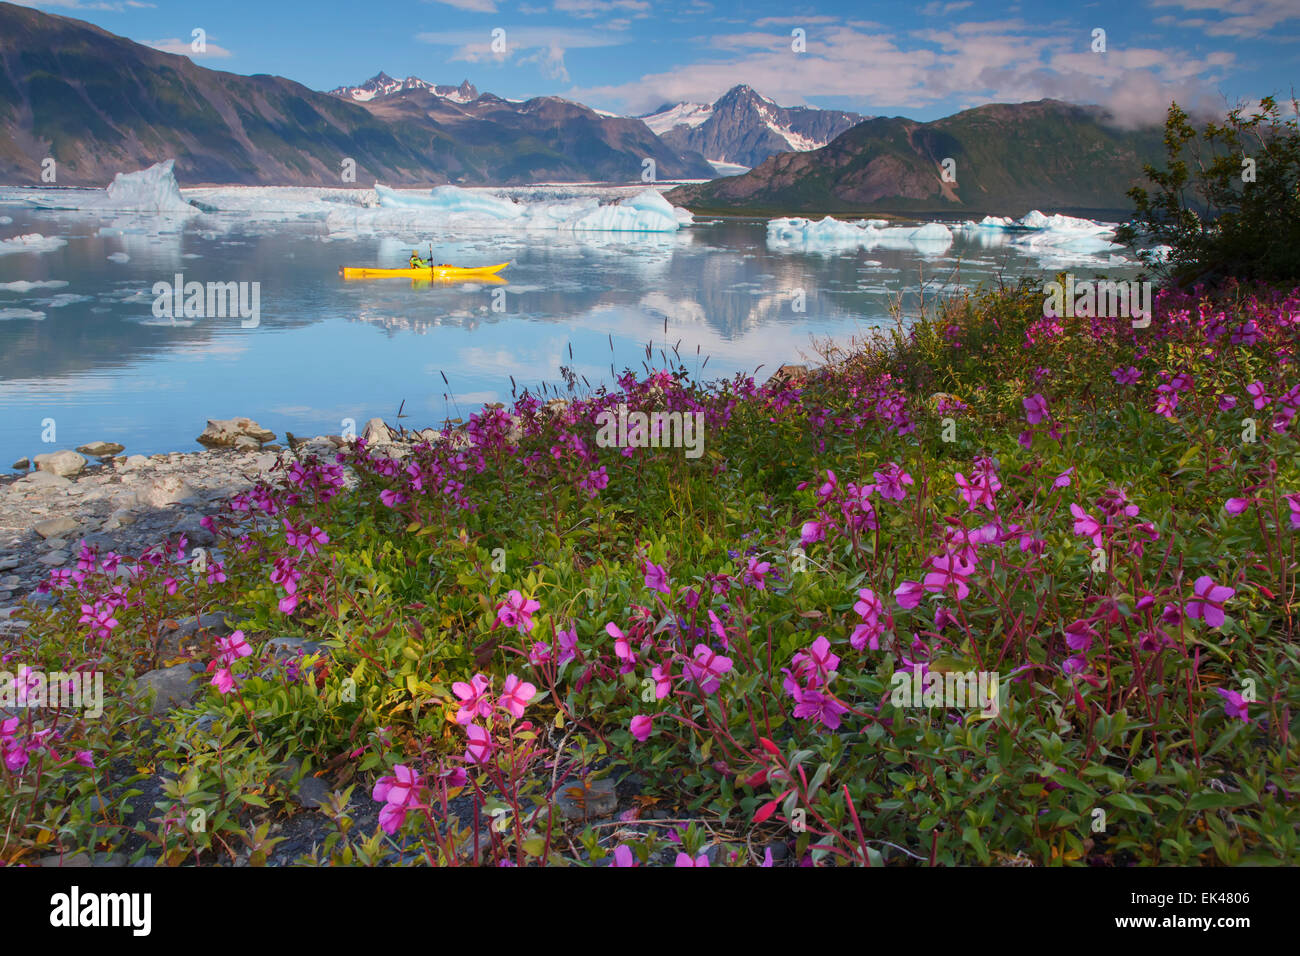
[232, 648]
[890, 482]
[684, 859]
[663, 678]
[623, 856]
[1126, 376]
[517, 612]
[707, 667]
[479, 747]
[1085, 525]
[868, 633]
[1234, 704]
[223, 680]
[656, 578]
[814, 705]
[641, 727]
[810, 532]
[1035, 408]
[909, 594]
[756, 573]
[1235, 506]
[1256, 391]
[474, 697]
[515, 696]
[1063, 479]
[1209, 601]
[949, 572]
[568, 641]
[399, 794]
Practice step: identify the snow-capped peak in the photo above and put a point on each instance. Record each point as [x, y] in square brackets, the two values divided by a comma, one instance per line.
[683, 114]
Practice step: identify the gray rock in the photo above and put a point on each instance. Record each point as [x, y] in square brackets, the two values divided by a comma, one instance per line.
[290, 646]
[10, 581]
[55, 559]
[9, 562]
[56, 544]
[43, 480]
[190, 526]
[22, 464]
[312, 792]
[134, 462]
[377, 433]
[164, 491]
[101, 449]
[170, 688]
[55, 527]
[221, 433]
[63, 463]
[584, 800]
[245, 443]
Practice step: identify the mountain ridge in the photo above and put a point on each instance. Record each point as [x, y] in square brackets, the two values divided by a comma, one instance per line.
[1007, 158]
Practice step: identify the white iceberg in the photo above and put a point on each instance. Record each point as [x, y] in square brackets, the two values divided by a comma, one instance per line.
[1055, 240]
[835, 235]
[22, 285]
[11, 314]
[150, 190]
[475, 210]
[32, 242]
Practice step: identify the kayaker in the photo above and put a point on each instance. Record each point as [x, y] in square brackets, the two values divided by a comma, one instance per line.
[416, 262]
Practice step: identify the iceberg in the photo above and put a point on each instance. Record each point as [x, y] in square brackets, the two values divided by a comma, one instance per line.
[149, 190]
[1055, 240]
[836, 236]
[32, 242]
[646, 211]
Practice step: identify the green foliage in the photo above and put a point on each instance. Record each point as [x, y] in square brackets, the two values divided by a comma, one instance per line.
[1228, 203]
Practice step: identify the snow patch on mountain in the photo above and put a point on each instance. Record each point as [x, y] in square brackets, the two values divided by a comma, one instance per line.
[683, 114]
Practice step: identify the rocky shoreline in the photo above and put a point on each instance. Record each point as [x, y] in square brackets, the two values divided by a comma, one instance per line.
[125, 503]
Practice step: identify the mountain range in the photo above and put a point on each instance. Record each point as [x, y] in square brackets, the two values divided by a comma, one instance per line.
[744, 127]
[1004, 159]
[98, 104]
[381, 84]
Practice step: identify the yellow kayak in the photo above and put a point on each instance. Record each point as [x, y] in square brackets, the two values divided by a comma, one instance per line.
[429, 272]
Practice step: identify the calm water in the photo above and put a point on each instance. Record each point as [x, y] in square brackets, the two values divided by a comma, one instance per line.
[103, 367]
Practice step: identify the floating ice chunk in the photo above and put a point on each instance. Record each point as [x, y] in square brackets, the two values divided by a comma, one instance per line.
[5, 220]
[118, 257]
[11, 314]
[647, 211]
[32, 242]
[149, 190]
[833, 235]
[476, 210]
[450, 200]
[64, 299]
[22, 285]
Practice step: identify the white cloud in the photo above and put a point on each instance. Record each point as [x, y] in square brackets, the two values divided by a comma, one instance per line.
[1241, 18]
[988, 61]
[470, 6]
[186, 48]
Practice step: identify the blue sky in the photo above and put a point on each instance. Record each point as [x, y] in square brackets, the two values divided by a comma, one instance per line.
[924, 59]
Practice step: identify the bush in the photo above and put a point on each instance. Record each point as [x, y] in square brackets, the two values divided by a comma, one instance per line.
[1228, 206]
